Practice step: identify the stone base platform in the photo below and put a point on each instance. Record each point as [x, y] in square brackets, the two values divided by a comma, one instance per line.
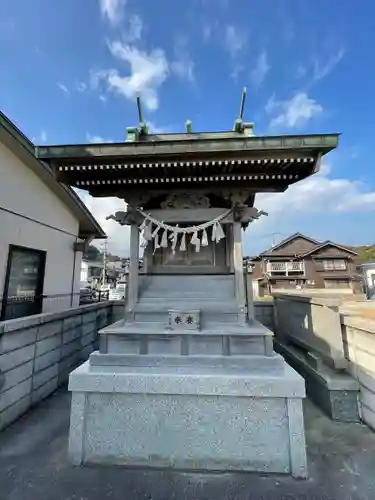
[214, 339]
[188, 412]
[335, 392]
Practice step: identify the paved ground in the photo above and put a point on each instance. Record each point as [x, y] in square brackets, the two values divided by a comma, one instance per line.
[33, 466]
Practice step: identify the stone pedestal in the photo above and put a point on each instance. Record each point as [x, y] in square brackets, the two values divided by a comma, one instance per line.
[187, 385]
[188, 379]
[188, 412]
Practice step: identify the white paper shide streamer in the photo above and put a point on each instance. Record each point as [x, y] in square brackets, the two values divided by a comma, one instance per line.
[163, 235]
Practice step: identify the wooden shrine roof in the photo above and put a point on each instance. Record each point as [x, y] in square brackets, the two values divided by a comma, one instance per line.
[183, 145]
[268, 163]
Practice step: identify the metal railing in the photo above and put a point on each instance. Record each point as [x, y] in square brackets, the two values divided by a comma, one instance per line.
[13, 307]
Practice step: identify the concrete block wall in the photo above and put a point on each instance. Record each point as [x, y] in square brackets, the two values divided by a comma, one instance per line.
[38, 352]
[263, 310]
[359, 344]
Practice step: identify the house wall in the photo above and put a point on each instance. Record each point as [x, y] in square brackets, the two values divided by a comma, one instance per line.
[295, 246]
[32, 216]
[314, 270]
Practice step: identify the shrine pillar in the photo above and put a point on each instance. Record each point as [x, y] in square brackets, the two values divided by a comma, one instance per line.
[238, 270]
[249, 291]
[133, 269]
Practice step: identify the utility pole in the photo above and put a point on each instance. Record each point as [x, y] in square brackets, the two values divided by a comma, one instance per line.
[104, 274]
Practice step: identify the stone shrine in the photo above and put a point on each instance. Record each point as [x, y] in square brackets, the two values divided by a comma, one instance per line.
[188, 378]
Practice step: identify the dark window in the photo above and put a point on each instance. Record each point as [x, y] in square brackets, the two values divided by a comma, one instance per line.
[23, 286]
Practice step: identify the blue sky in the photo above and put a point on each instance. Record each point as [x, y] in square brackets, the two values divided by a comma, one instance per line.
[70, 70]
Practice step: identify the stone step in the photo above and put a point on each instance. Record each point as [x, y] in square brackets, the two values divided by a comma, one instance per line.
[204, 285]
[210, 328]
[192, 280]
[184, 295]
[184, 345]
[209, 311]
[188, 364]
[184, 305]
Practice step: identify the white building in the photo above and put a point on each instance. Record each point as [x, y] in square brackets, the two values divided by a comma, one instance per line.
[91, 271]
[368, 273]
[44, 227]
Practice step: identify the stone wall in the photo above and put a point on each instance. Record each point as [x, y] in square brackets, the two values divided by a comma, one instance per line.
[359, 344]
[312, 323]
[38, 352]
[263, 310]
[317, 324]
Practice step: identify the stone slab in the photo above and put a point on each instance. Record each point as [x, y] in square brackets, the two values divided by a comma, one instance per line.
[186, 432]
[263, 364]
[336, 393]
[204, 420]
[146, 328]
[158, 380]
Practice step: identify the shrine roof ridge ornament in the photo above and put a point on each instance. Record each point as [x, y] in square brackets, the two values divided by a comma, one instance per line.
[170, 145]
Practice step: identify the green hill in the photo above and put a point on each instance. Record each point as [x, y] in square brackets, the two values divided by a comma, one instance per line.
[365, 252]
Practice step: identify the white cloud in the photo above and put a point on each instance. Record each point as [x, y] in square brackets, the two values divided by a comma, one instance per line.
[259, 72]
[96, 138]
[318, 68]
[293, 113]
[183, 65]
[134, 29]
[147, 72]
[235, 40]
[81, 87]
[155, 128]
[112, 10]
[118, 236]
[63, 87]
[319, 196]
[322, 69]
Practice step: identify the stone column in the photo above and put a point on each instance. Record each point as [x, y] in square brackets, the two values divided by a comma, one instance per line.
[133, 270]
[250, 293]
[238, 269]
